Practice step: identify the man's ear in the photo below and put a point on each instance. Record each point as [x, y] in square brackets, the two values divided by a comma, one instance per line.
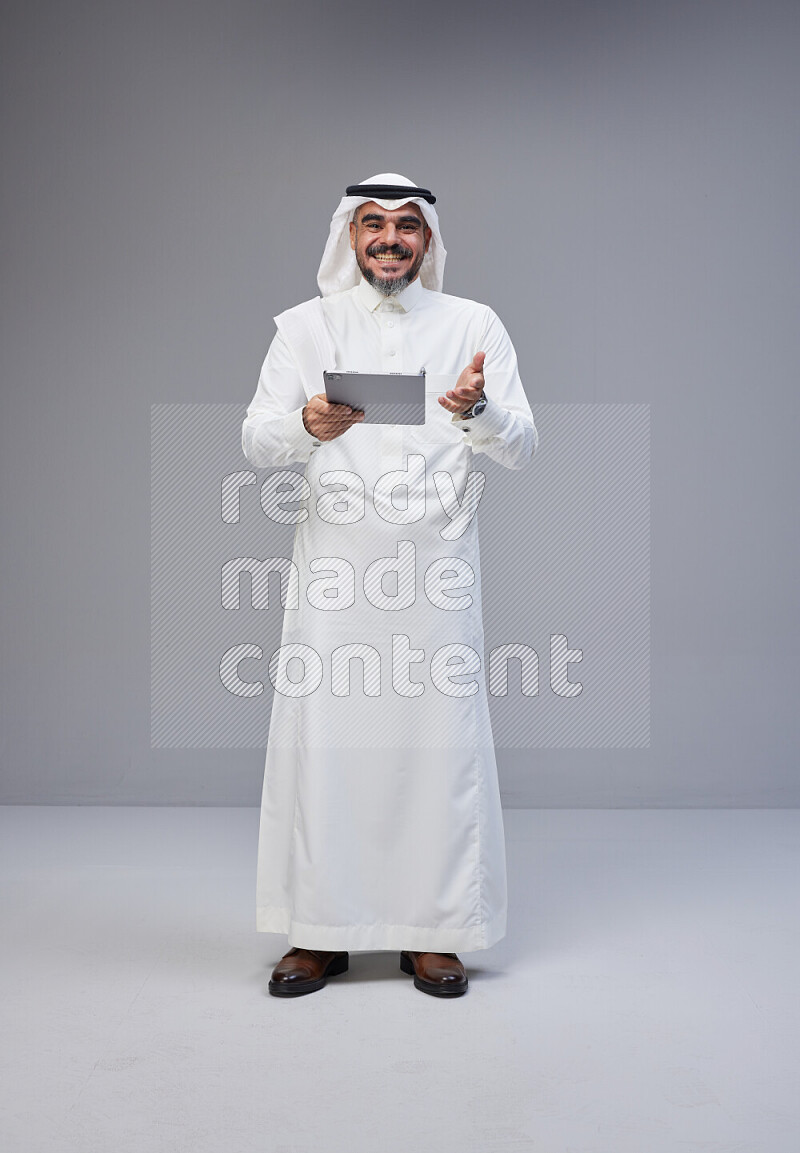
[352, 235]
[428, 235]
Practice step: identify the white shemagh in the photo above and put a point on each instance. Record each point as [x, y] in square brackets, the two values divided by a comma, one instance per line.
[338, 269]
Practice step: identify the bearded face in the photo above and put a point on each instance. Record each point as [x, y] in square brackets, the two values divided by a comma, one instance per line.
[389, 245]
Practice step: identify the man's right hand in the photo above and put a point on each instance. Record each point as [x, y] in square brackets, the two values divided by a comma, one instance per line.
[326, 421]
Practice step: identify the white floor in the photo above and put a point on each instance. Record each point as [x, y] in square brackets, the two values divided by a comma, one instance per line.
[645, 999]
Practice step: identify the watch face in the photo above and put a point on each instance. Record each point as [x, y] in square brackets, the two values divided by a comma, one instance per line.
[476, 409]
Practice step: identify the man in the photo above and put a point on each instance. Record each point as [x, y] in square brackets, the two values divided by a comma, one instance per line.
[381, 825]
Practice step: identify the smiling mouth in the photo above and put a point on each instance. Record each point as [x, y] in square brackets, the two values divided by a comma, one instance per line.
[390, 257]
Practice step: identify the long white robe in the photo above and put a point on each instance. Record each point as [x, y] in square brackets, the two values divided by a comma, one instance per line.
[381, 825]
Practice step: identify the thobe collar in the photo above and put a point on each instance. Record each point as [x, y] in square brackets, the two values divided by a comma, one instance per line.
[405, 300]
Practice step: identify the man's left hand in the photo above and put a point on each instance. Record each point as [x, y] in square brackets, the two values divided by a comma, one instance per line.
[469, 387]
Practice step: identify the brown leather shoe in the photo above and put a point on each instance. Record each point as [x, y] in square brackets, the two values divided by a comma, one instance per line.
[305, 970]
[440, 974]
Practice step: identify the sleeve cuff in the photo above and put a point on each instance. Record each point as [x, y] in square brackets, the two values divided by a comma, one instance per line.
[297, 435]
[486, 424]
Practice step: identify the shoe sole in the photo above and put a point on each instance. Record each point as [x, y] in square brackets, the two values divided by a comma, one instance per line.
[407, 966]
[300, 988]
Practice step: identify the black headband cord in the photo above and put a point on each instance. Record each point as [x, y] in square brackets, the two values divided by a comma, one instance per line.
[390, 192]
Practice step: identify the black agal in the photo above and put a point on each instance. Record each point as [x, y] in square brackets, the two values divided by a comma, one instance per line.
[390, 192]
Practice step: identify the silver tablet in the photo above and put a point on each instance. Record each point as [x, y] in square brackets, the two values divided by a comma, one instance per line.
[384, 397]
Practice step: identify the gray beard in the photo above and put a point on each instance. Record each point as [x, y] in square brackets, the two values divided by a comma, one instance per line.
[387, 287]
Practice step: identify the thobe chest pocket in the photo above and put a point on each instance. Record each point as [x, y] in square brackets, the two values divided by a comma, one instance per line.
[438, 427]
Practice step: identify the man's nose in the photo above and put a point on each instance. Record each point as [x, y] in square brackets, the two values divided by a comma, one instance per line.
[390, 234]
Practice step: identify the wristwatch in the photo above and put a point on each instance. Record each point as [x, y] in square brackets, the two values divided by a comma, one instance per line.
[476, 410]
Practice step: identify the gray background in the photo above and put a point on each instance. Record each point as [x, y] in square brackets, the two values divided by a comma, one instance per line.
[618, 181]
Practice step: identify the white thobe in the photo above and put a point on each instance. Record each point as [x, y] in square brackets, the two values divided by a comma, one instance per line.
[381, 824]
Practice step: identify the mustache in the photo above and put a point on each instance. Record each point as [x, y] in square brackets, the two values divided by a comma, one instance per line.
[389, 250]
